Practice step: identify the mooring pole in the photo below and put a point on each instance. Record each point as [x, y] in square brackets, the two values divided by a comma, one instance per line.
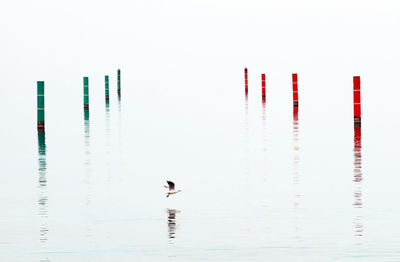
[246, 81]
[295, 90]
[40, 106]
[86, 92]
[263, 92]
[357, 100]
[119, 81]
[107, 87]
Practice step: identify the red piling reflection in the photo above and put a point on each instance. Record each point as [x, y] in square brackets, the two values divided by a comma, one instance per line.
[357, 167]
[295, 90]
[296, 157]
[357, 179]
[357, 100]
[263, 87]
[246, 81]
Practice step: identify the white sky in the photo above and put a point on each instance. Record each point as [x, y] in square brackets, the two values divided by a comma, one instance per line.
[39, 36]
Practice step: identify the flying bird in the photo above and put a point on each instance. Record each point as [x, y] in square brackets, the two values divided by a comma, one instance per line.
[171, 188]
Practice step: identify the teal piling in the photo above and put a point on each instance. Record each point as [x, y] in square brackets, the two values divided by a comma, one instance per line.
[40, 106]
[119, 81]
[86, 92]
[107, 87]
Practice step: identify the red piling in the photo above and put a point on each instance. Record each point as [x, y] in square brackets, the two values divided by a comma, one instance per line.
[357, 100]
[295, 90]
[263, 87]
[246, 81]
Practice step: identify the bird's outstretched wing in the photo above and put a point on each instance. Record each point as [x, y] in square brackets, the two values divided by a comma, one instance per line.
[171, 185]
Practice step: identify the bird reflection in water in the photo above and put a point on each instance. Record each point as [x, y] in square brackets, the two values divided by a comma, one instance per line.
[172, 222]
[357, 179]
[42, 201]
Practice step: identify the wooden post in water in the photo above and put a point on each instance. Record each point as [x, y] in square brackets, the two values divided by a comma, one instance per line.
[107, 87]
[86, 93]
[263, 87]
[246, 81]
[295, 90]
[119, 81]
[357, 100]
[40, 106]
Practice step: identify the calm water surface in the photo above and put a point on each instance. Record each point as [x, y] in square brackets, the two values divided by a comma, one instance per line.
[260, 180]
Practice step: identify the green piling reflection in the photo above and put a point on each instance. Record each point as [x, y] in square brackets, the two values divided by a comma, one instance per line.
[42, 158]
[87, 170]
[108, 143]
[119, 126]
[42, 181]
[86, 117]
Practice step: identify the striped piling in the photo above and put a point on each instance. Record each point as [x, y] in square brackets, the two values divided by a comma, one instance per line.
[107, 87]
[40, 106]
[119, 81]
[357, 100]
[86, 93]
[295, 90]
[263, 87]
[246, 81]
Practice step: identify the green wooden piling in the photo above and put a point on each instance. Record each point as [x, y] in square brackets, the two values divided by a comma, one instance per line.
[86, 92]
[107, 86]
[119, 81]
[40, 106]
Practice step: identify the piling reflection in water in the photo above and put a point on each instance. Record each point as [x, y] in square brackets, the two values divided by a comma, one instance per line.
[296, 176]
[296, 156]
[172, 222]
[42, 201]
[246, 134]
[87, 143]
[87, 170]
[108, 143]
[264, 137]
[357, 179]
[264, 123]
[119, 125]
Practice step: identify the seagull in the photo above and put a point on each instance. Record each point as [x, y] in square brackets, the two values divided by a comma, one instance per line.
[171, 188]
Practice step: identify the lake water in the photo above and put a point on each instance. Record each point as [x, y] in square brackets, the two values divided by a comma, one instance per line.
[260, 182]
